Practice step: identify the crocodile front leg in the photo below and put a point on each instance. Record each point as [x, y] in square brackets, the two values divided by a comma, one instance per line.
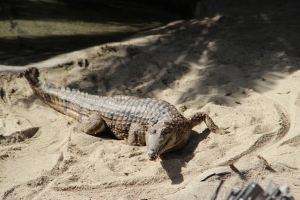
[91, 125]
[200, 117]
[136, 135]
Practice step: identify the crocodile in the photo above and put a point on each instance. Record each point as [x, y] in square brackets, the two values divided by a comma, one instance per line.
[141, 121]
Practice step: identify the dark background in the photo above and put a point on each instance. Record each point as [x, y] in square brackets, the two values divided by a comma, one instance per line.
[31, 31]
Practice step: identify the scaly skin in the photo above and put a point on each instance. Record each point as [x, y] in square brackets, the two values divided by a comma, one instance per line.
[154, 123]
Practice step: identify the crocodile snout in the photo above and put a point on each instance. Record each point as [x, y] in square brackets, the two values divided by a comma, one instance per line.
[152, 154]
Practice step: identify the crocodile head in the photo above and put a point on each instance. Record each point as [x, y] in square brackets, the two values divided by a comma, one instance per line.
[160, 138]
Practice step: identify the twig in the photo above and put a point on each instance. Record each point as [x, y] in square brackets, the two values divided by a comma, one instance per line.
[214, 197]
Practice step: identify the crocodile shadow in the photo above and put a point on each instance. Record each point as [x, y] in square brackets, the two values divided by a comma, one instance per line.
[174, 161]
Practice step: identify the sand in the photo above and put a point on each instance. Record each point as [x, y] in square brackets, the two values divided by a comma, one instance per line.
[241, 67]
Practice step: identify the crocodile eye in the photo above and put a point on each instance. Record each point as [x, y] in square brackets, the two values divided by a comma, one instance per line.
[165, 131]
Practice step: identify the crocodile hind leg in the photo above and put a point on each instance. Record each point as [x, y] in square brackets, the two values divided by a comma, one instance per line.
[136, 135]
[92, 125]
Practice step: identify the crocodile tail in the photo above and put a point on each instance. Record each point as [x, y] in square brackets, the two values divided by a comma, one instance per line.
[32, 76]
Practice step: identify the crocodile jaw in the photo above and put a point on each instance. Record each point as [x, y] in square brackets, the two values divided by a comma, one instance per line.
[158, 144]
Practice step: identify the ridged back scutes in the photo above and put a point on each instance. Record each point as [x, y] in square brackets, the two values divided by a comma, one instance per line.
[129, 110]
[121, 109]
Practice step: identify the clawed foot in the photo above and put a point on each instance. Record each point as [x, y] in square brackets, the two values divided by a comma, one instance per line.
[222, 131]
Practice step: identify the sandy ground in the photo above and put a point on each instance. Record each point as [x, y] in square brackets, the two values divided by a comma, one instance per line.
[239, 65]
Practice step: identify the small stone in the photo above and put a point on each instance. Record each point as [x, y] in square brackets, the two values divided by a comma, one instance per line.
[183, 108]
[247, 91]
[12, 91]
[228, 94]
